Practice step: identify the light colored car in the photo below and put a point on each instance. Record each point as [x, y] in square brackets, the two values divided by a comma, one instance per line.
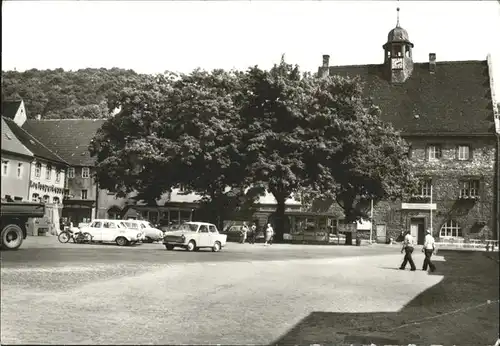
[150, 232]
[108, 231]
[193, 236]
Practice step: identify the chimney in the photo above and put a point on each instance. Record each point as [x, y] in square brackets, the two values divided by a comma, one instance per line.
[432, 62]
[38, 117]
[326, 60]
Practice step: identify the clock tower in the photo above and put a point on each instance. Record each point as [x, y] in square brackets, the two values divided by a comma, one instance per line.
[398, 55]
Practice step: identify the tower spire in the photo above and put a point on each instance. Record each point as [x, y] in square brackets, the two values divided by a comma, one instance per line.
[397, 24]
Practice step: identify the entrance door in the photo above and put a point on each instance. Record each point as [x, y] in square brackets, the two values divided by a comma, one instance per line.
[381, 234]
[417, 228]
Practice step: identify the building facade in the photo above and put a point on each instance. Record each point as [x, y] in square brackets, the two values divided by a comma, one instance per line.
[16, 166]
[70, 139]
[46, 180]
[446, 112]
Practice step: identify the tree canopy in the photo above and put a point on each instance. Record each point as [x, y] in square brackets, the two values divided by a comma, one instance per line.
[86, 93]
[218, 133]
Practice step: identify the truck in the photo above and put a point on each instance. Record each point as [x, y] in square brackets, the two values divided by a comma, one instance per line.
[13, 218]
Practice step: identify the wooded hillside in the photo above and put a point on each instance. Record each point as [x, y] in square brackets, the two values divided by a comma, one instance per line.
[86, 93]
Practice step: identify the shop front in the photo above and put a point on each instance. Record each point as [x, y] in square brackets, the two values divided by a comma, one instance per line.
[77, 211]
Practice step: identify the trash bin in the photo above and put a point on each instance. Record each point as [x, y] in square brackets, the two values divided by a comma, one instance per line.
[358, 241]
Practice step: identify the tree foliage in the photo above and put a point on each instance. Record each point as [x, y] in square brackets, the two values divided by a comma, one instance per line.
[86, 93]
[177, 130]
[221, 132]
[358, 157]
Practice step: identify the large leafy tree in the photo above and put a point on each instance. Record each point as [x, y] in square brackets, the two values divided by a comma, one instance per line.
[321, 138]
[177, 130]
[274, 122]
[357, 157]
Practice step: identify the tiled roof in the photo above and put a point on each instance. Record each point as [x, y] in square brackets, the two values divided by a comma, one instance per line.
[11, 143]
[456, 99]
[69, 138]
[9, 108]
[33, 144]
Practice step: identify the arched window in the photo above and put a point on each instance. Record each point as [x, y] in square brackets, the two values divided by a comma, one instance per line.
[34, 197]
[46, 199]
[55, 200]
[114, 213]
[450, 229]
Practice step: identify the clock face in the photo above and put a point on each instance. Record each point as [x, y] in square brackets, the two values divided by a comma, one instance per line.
[397, 63]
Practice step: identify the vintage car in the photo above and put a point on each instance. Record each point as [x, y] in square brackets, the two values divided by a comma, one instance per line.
[150, 232]
[108, 231]
[195, 235]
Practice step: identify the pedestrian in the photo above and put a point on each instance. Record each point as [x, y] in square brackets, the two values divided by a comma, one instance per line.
[252, 234]
[269, 233]
[428, 249]
[408, 245]
[244, 232]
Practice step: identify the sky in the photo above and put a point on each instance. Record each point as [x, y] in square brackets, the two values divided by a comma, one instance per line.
[155, 36]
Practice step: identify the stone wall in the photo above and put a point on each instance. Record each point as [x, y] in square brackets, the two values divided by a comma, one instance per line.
[476, 218]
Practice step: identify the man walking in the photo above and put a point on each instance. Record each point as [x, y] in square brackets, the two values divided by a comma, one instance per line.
[408, 245]
[253, 234]
[428, 249]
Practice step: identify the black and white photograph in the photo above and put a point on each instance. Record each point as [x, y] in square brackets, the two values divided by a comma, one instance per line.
[250, 172]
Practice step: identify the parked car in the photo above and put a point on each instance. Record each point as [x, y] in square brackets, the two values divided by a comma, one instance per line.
[193, 236]
[150, 232]
[233, 233]
[108, 231]
[170, 228]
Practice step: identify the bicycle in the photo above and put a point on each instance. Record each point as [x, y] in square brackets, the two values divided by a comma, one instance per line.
[78, 237]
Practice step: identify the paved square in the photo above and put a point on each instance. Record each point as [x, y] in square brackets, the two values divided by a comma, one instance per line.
[252, 298]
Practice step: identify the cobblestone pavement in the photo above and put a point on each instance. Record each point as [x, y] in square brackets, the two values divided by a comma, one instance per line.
[99, 294]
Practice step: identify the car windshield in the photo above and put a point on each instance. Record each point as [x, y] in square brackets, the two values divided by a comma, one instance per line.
[131, 225]
[150, 225]
[188, 227]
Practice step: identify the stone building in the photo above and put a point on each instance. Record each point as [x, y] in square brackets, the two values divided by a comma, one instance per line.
[445, 110]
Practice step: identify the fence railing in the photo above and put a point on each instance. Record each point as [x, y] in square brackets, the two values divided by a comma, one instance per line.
[473, 244]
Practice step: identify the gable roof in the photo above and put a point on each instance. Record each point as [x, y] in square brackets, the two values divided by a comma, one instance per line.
[10, 108]
[69, 138]
[33, 144]
[455, 100]
[11, 143]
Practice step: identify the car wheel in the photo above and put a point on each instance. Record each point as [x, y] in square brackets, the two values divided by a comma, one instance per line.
[12, 237]
[148, 240]
[169, 247]
[121, 241]
[191, 246]
[87, 237]
[217, 246]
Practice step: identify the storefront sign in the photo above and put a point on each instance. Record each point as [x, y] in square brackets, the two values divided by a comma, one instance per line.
[419, 206]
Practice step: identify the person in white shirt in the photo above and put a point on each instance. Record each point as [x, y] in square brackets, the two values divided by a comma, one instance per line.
[428, 249]
[244, 233]
[269, 234]
[408, 245]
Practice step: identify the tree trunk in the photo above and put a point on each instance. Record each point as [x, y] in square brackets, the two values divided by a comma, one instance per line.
[279, 227]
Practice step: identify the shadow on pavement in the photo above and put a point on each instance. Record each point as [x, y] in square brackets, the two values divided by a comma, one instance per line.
[455, 311]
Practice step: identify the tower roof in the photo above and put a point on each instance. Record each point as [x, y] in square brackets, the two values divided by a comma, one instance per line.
[398, 34]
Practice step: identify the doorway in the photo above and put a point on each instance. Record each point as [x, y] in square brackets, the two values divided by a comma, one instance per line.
[381, 233]
[417, 229]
